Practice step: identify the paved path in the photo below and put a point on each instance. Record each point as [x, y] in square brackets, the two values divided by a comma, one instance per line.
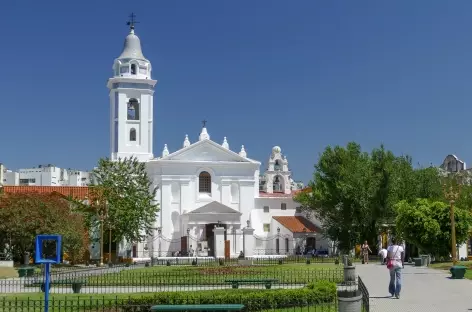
[423, 289]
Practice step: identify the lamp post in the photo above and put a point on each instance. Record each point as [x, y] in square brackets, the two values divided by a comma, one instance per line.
[109, 245]
[452, 195]
[277, 247]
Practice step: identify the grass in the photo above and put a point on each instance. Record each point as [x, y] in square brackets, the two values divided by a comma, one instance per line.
[155, 276]
[8, 272]
[447, 265]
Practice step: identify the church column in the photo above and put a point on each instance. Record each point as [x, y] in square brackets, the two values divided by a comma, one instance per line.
[185, 195]
[248, 245]
[219, 246]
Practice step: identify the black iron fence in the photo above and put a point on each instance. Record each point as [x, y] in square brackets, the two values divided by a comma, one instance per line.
[365, 294]
[179, 279]
[117, 304]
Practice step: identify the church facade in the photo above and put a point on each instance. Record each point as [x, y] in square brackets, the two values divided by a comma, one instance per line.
[213, 201]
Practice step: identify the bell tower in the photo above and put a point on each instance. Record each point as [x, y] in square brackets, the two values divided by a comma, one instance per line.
[131, 101]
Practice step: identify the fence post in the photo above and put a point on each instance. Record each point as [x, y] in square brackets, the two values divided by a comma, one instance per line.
[248, 243]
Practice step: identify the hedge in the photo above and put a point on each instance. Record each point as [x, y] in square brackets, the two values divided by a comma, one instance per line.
[323, 292]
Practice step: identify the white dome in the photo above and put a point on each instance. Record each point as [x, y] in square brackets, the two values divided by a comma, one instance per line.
[132, 48]
[276, 149]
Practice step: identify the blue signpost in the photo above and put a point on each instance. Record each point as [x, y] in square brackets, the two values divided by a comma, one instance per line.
[41, 258]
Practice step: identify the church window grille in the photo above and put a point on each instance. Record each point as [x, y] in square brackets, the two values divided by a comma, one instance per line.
[133, 69]
[266, 209]
[266, 227]
[133, 109]
[283, 206]
[132, 135]
[204, 182]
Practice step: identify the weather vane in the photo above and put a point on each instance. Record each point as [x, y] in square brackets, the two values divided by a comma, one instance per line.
[204, 123]
[132, 20]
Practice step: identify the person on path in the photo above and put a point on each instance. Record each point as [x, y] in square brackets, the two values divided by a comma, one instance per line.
[365, 249]
[395, 258]
[383, 255]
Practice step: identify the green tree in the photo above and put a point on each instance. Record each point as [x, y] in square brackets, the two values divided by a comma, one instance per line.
[127, 198]
[26, 215]
[427, 224]
[341, 194]
[354, 193]
[428, 183]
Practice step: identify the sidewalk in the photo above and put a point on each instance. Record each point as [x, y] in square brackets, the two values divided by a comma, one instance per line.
[423, 289]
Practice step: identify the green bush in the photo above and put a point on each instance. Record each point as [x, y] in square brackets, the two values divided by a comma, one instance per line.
[321, 292]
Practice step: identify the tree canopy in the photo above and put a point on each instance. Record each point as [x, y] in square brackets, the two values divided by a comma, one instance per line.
[353, 193]
[123, 197]
[427, 224]
[26, 215]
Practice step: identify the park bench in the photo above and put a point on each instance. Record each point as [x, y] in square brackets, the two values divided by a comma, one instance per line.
[76, 284]
[266, 281]
[197, 307]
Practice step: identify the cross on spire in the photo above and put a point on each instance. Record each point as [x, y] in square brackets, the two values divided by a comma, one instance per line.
[204, 123]
[132, 20]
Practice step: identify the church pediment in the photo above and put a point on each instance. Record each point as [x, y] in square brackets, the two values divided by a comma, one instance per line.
[214, 208]
[207, 150]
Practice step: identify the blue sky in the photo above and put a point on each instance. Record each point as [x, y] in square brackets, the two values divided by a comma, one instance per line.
[298, 74]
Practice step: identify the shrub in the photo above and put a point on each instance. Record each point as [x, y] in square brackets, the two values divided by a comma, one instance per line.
[254, 299]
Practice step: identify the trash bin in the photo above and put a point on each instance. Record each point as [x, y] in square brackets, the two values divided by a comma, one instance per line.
[424, 260]
[418, 261]
[29, 271]
[21, 272]
[458, 271]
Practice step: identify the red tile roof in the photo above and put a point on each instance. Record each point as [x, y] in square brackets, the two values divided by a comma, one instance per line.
[264, 194]
[280, 194]
[77, 192]
[296, 224]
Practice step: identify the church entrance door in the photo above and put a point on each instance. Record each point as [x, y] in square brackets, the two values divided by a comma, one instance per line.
[210, 236]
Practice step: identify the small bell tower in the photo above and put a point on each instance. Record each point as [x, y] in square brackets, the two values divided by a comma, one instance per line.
[131, 101]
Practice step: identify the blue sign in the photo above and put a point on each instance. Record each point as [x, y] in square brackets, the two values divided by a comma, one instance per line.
[47, 252]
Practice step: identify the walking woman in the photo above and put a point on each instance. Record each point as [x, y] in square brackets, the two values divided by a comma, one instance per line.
[365, 249]
[395, 258]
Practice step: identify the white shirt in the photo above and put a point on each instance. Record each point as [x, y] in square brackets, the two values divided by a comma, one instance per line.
[395, 253]
[383, 253]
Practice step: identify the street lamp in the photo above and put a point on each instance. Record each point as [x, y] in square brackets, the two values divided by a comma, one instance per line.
[452, 195]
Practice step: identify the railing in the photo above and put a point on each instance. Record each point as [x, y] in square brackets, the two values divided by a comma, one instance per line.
[365, 294]
[173, 279]
[128, 304]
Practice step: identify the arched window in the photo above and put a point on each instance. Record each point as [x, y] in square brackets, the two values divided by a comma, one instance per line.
[277, 184]
[132, 135]
[204, 182]
[133, 69]
[133, 109]
[277, 165]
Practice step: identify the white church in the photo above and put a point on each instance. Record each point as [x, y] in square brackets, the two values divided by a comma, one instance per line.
[213, 201]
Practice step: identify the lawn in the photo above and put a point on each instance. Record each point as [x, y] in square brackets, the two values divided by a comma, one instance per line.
[201, 276]
[155, 276]
[447, 265]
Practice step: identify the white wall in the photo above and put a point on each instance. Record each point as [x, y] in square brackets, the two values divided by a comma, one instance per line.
[142, 90]
[259, 217]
